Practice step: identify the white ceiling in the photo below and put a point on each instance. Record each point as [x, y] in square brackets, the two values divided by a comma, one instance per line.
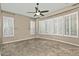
[23, 8]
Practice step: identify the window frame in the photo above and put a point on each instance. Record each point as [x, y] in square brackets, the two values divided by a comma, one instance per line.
[76, 25]
[8, 35]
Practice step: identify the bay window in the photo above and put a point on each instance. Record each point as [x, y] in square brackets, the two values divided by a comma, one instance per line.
[66, 25]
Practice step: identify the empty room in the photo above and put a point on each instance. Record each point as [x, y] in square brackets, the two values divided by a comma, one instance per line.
[39, 29]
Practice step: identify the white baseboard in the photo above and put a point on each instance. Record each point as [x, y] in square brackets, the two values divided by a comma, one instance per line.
[18, 40]
[41, 38]
[61, 41]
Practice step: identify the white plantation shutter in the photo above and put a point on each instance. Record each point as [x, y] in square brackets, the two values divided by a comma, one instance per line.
[59, 25]
[51, 26]
[55, 26]
[32, 27]
[42, 27]
[73, 24]
[47, 26]
[66, 25]
[8, 26]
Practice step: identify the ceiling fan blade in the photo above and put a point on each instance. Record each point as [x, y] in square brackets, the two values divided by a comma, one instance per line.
[39, 11]
[44, 11]
[31, 12]
[34, 15]
[41, 14]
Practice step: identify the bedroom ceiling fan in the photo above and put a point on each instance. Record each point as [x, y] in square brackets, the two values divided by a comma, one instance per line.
[38, 12]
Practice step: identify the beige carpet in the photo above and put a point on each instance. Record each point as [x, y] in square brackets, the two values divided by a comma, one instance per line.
[39, 47]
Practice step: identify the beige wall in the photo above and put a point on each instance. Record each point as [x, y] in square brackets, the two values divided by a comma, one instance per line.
[21, 27]
[0, 22]
[60, 38]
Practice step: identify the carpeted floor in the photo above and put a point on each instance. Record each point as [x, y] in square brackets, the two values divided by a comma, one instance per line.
[39, 47]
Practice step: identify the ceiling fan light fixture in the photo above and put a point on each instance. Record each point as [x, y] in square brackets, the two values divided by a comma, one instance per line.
[38, 13]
